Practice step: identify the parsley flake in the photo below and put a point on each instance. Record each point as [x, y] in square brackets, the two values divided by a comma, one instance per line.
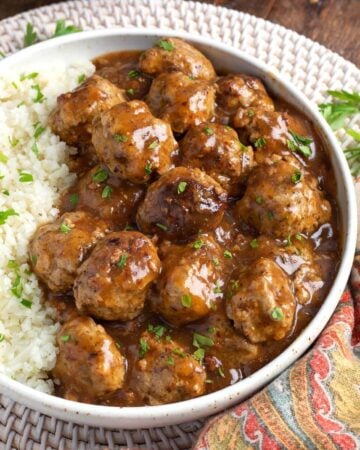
[64, 228]
[16, 287]
[65, 338]
[199, 355]
[198, 244]
[148, 168]
[277, 314]
[133, 74]
[258, 199]
[81, 78]
[38, 130]
[106, 193]
[100, 175]
[254, 243]
[130, 92]
[26, 303]
[144, 347]
[170, 361]
[13, 141]
[154, 144]
[25, 177]
[209, 131]
[181, 187]
[216, 262]
[296, 177]
[228, 254]
[3, 158]
[344, 105]
[62, 29]
[165, 45]
[2, 337]
[74, 199]
[35, 149]
[161, 226]
[186, 300]
[30, 35]
[158, 330]
[30, 76]
[260, 142]
[199, 341]
[120, 138]
[122, 261]
[217, 290]
[39, 96]
[4, 215]
[6, 192]
[299, 144]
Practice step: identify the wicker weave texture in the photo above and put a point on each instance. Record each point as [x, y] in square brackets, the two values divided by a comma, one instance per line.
[310, 66]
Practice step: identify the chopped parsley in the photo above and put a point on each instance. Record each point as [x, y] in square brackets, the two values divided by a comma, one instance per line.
[106, 193]
[258, 199]
[199, 341]
[16, 287]
[209, 131]
[3, 158]
[65, 338]
[30, 76]
[299, 143]
[12, 264]
[181, 187]
[154, 144]
[15, 85]
[186, 300]
[25, 177]
[100, 175]
[133, 74]
[277, 314]
[144, 347]
[216, 261]
[228, 254]
[353, 153]
[296, 177]
[6, 192]
[38, 129]
[161, 226]
[64, 228]
[158, 330]
[74, 199]
[35, 149]
[62, 29]
[122, 261]
[165, 45]
[4, 215]
[288, 240]
[13, 141]
[199, 355]
[30, 35]
[130, 91]
[250, 113]
[2, 54]
[260, 142]
[198, 244]
[39, 96]
[270, 215]
[26, 303]
[179, 352]
[170, 361]
[120, 138]
[148, 168]
[81, 78]
[254, 243]
[2, 337]
[221, 372]
[33, 259]
[298, 237]
[217, 289]
[20, 104]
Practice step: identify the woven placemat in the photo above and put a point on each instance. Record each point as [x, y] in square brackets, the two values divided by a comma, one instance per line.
[310, 66]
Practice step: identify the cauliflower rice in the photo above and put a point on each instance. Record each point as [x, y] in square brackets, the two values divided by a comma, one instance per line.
[32, 174]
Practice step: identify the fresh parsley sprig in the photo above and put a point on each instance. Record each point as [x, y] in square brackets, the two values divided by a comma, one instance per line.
[344, 105]
[61, 29]
[353, 153]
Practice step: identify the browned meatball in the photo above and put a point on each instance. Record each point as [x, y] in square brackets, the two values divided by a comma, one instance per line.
[216, 150]
[104, 195]
[88, 365]
[242, 94]
[165, 373]
[135, 83]
[181, 101]
[57, 249]
[274, 135]
[282, 199]
[260, 301]
[172, 54]
[180, 203]
[113, 282]
[191, 282]
[133, 143]
[72, 119]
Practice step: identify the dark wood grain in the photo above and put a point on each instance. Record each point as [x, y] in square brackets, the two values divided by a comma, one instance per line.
[333, 23]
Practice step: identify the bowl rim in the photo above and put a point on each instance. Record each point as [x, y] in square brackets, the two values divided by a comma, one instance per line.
[174, 413]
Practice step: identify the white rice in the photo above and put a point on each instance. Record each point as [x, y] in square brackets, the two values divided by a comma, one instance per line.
[27, 335]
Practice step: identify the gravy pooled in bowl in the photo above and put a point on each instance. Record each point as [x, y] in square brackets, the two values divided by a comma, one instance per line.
[200, 237]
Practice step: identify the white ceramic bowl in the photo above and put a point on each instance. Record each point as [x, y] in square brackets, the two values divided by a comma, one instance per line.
[87, 45]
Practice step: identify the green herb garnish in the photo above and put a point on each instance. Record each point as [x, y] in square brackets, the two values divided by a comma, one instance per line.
[158, 330]
[144, 347]
[179, 352]
[26, 303]
[4, 215]
[258, 199]
[199, 355]
[228, 254]
[198, 244]
[216, 262]
[74, 199]
[130, 91]
[62, 29]
[153, 145]
[120, 138]
[25, 177]
[133, 74]
[6, 192]
[181, 187]
[186, 300]
[64, 228]
[39, 129]
[277, 314]
[165, 45]
[148, 168]
[30, 36]
[300, 144]
[13, 141]
[100, 175]
[199, 341]
[65, 338]
[254, 243]
[260, 142]
[2, 337]
[106, 193]
[16, 287]
[122, 261]
[209, 131]
[29, 76]
[217, 289]
[3, 158]
[296, 177]
[81, 78]
[344, 105]
[170, 361]
[353, 153]
[39, 97]
[12, 264]
[161, 226]
[35, 149]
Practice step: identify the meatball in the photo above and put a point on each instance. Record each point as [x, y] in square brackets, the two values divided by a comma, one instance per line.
[172, 54]
[135, 83]
[104, 195]
[216, 150]
[242, 94]
[274, 135]
[181, 101]
[180, 203]
[282, 199]
[260, 301]
[113, 282]
[57, 249]
[133, 143]
[190, 284]
[88, 365]
[165, 373]
[72, 119]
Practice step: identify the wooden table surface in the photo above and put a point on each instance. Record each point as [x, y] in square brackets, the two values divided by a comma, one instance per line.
[333, 23]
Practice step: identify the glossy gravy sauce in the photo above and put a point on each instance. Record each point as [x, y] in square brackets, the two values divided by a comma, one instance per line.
[228, 365]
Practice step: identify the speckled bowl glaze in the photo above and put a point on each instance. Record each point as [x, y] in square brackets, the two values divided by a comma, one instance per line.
[86, 45]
